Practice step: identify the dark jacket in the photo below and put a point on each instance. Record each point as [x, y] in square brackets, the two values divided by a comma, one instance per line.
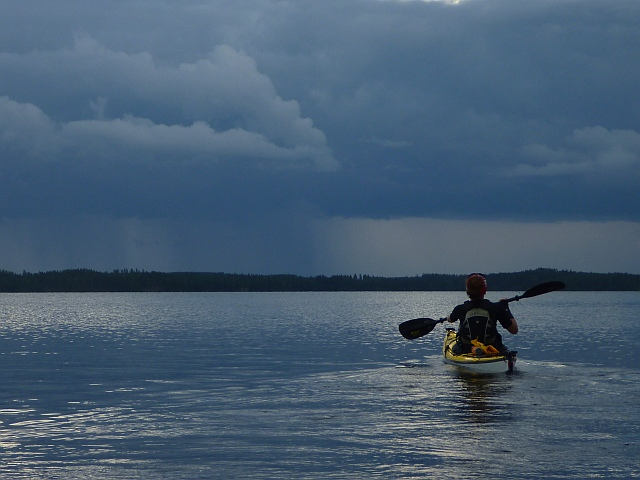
[478, 321]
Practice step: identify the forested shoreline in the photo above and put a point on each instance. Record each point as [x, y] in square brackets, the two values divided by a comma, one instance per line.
[85, 280]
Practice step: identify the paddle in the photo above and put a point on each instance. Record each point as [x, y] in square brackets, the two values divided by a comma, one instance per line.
[538, 290]
[418, 327]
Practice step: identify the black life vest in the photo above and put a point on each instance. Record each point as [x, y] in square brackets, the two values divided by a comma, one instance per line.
[478, 325]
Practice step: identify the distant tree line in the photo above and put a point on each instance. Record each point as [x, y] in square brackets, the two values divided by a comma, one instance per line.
[84, 280]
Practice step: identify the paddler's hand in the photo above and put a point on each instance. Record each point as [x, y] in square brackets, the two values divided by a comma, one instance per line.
[504, 303]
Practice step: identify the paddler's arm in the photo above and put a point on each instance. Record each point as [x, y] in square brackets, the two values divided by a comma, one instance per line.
[454, 315]
[513, 327]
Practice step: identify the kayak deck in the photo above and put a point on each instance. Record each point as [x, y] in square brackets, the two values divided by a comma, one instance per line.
[476, 363]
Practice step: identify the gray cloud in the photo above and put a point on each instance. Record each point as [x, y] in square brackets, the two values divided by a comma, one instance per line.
[224, 89]
[594, 152]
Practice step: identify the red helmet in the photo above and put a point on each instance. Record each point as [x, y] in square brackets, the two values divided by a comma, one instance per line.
[476, 285]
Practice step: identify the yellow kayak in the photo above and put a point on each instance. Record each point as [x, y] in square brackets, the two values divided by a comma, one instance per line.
[476, 363]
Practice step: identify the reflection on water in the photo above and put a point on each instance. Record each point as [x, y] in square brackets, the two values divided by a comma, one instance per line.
[483, 397]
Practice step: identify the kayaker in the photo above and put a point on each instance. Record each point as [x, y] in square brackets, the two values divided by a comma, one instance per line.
[479, 318]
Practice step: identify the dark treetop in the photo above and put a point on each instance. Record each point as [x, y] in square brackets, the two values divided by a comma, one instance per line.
[83, 280]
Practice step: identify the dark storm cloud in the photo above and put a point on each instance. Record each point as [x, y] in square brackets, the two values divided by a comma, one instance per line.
[471, 91]
[257, 116]
[121, 120]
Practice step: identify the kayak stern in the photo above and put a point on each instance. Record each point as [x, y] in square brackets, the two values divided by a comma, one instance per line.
[476, 363]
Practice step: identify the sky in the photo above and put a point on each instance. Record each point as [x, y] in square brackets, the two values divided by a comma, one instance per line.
[379, 137]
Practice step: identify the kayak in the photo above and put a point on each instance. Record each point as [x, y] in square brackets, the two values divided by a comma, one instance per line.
[476, 363]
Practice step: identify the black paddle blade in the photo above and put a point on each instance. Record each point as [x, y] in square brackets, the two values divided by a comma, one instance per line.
[539, 290]
[543, 288]
[417, 327]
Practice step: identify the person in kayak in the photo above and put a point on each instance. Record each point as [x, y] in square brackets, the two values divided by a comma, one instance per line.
[479, 318]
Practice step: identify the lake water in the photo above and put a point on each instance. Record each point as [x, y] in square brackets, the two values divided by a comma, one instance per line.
[313, 386]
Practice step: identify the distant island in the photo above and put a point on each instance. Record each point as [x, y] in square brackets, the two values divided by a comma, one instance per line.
[85, 280]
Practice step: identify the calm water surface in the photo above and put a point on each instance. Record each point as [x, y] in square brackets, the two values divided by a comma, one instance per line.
[311, 385]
